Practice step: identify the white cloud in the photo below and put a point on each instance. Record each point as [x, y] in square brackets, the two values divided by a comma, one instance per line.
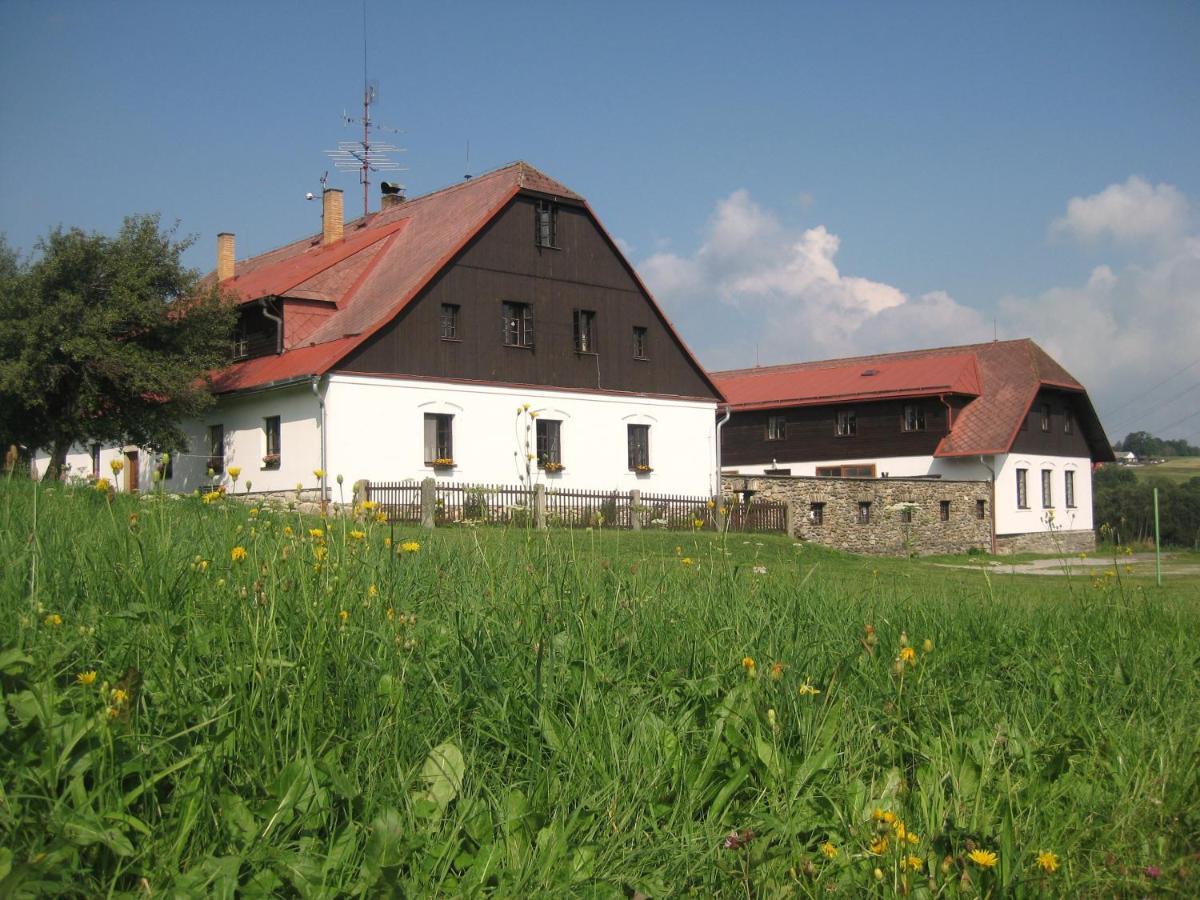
[759, 291]
[1129, 212]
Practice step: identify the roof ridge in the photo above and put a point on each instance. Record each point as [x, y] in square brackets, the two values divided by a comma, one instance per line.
[836, 362]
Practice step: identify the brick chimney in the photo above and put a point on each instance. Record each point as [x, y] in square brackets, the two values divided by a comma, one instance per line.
[331, 216]
[225, 256]
[387, 201]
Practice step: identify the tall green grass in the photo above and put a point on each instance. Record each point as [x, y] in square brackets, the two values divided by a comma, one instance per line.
[571, 713]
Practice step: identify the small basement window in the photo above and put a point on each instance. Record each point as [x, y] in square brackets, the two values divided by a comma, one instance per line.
[816, 513]
[864, 512]
[944, 510]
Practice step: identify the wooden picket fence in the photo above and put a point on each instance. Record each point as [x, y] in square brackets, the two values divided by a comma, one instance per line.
[435, 504]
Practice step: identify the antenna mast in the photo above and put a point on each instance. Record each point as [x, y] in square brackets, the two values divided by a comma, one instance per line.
[366, 156]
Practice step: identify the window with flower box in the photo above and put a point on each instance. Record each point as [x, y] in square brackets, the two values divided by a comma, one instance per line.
[549, 445]
[439, 440]
[271, 442]
[639, 447]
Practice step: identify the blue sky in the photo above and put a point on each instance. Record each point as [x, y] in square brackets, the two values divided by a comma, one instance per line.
[794, 180]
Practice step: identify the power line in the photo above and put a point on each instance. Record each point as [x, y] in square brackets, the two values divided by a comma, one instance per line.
[1159, 404]
[1149, 390]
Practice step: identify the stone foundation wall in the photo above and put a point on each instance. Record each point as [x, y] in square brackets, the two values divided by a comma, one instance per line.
[885, 532]
[1069, 542]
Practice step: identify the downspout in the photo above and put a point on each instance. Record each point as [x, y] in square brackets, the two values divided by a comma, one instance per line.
[720, 425]
[316, 389]
[992, 470]
[278, 325]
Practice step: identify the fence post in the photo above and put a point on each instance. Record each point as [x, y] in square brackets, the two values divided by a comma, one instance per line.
[789, 518]
[539, 506]
[361, 492]
[635, 509]
[428, 497]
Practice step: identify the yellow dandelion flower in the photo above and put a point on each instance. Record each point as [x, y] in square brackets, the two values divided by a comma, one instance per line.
[900, 830]
[253, 513]
[318, 474]
[372, 591]
[53, 620]
[234, 472]
[985, 859]
[344, 615]
[116, 465]
[103, 485]
[1047, 861]
[776, 670]
[808, 689]
[237, 554]
[357, 535]
[914, 838]
[888, 817]
[879, 846]
[678, 551]
[86, 678]
[909, 655]
[410, 547]
[687, 561]
[698, 523]
[391, 613]
[914, 862]
[118, 696]
[287, 531]
[320, 553]
[829, 851]
[711, 504]
[317, 533]
[747, 663]
[368, 505]
[381, 518]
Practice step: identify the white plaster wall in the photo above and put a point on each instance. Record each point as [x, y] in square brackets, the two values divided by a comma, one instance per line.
[968, 469]
[79, 464]
[246, 442]
[376, 431]
[1011, 520]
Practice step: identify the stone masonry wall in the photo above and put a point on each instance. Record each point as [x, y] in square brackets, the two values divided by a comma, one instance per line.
[1071, 542]
[885, 532]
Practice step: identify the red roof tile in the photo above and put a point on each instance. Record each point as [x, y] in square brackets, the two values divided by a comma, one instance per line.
[270, 370]
[1001, 377]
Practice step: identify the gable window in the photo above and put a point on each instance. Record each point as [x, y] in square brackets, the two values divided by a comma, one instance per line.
[585, 338]
[95, 460]
[847, 423]
[1068, 422]
[216, 448]
[549, 445]
[1045, 417]
[914, 417]
[547, 224]
[450, 321]
[1022, 489]
[981, 509]
[816, 513]
[439, 439]
[845, 471]
[864, 512]
[1069, 487]
[639, 447]
[1047, 500]
[639, 342]
[944, 510]
[776, 428]
[518, 324]
[271, 442]
[241, 341]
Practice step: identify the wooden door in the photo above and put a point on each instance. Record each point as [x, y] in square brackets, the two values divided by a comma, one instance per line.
[131, 471]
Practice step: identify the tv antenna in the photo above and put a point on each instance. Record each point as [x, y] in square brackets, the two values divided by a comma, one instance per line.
[366, 155]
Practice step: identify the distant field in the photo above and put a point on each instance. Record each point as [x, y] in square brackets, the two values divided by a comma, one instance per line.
[1179, 469]
[223, 700]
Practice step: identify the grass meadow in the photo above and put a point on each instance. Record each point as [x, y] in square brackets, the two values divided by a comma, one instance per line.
[217, 699]
[1179, 469]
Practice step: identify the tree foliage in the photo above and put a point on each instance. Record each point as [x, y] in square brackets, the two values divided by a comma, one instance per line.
[1146, 446]
[106, 339]
[1125, 504]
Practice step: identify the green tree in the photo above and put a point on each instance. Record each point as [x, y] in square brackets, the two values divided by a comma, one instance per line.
[106, 339]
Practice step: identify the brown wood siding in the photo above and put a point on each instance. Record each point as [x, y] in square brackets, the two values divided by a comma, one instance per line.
[505, 263]
[261, 333]
[1055, 442]
[811, 433]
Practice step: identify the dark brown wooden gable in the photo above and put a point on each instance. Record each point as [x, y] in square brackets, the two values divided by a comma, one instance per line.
[1056, 441]
[811, 433]
[504, 262]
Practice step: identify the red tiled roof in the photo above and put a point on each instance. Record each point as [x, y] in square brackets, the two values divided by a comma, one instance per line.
[383, 263]
[1001, 377]
[267, 370]
[808, 384]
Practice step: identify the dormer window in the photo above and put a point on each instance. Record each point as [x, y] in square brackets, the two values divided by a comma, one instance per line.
[241, 341]
[547, 224]
[847, 423]
[914, 417]
[585, 337]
